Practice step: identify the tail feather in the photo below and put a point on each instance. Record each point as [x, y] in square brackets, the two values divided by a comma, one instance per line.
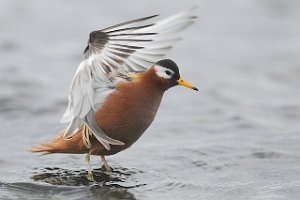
[42, 148]
[59, 144]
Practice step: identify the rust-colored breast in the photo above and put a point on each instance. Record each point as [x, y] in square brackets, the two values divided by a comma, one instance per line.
[129, 111]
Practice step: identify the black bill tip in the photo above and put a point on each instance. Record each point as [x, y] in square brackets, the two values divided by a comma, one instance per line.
[194, 88]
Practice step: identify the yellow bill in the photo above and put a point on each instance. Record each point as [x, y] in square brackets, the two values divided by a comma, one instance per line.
[186, 84]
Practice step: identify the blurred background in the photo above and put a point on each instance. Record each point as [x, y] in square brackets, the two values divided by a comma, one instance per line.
[237, 138]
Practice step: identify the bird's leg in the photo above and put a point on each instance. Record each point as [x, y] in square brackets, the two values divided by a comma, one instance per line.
[90, 176]
[106, 166]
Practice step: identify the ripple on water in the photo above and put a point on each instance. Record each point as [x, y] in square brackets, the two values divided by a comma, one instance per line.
[24, 190]
[73, 184]
[58, 176]
[267, 154]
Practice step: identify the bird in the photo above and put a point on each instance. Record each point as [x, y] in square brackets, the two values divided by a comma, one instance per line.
[118, 86]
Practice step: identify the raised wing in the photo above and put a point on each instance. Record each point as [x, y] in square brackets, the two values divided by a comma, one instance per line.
[130, 46]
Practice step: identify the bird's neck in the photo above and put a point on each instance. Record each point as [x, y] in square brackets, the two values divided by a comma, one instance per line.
[154, 83]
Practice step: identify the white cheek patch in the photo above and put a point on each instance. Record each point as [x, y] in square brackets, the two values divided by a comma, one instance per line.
[161, 72]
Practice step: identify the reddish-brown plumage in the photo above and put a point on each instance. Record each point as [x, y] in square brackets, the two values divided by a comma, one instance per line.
[124, 116]
[61, 145]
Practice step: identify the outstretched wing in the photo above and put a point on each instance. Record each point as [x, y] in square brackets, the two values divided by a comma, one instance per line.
[130, 46]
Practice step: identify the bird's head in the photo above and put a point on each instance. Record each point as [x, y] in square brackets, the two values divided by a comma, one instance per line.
[168, 72]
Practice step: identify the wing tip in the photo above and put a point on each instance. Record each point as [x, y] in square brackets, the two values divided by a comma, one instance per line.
[152, 16]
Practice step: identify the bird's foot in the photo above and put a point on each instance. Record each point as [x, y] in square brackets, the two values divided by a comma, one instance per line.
[108, 170]
[90, 176]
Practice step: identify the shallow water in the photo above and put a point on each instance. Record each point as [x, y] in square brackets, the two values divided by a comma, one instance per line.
[237, 138]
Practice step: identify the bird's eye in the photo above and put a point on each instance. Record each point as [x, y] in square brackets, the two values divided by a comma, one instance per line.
[168, 72]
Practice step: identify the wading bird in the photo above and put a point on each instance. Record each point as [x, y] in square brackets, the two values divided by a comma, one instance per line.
[118, 87]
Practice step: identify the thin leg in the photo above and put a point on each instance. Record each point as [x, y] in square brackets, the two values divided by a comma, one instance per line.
[90, 176]
[106, 166]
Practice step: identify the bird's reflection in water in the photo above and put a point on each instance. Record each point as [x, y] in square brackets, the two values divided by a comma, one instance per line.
[113, 185]
[104, 192]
